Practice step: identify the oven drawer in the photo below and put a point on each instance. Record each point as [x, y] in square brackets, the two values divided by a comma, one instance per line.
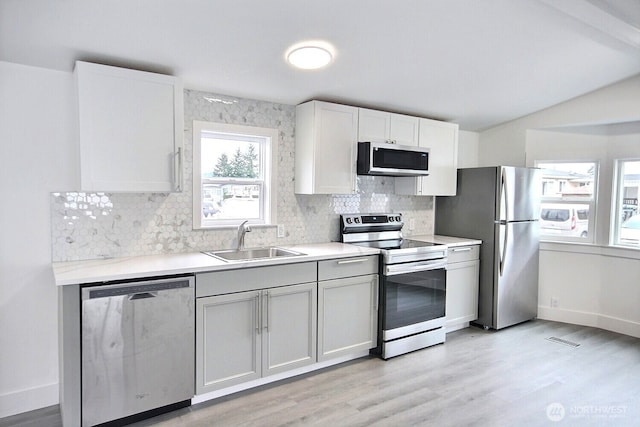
[463, 253]
[347, 267]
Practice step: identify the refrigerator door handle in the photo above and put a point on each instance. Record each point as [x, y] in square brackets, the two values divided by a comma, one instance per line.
[504, 197]
[505, 242]
[504, 217]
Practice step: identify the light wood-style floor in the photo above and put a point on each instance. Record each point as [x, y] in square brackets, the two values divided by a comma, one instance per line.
[512, 377]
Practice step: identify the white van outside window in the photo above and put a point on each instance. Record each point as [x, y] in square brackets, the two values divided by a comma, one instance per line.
[568, 201]
[564, 220]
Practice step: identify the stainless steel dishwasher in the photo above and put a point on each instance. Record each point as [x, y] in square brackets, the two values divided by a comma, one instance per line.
[138, 344]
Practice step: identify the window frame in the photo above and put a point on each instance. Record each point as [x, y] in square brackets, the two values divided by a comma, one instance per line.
[575, 200]
[268, 163]
[618, 202]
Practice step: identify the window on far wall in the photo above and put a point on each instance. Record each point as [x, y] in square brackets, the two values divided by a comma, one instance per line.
[233, 174]
[568, 200]
[627, 216]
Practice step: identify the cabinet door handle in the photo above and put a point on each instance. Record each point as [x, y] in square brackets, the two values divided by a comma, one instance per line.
[178, 174]
[353, 261]
[265, 313]
[460, 249]
[377, 293]
[257, 300]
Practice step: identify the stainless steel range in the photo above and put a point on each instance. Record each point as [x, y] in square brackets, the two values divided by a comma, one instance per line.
[412, 283]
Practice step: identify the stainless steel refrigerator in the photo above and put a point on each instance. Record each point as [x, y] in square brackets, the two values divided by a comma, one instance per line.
[500, 206]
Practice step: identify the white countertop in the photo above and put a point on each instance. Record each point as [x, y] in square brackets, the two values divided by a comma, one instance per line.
[103, 270]
[109, 269]
[445, 240]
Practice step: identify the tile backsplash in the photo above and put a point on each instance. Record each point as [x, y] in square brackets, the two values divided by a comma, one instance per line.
[97, 225]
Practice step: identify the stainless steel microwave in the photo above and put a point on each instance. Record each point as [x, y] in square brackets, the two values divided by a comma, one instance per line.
[383, 158]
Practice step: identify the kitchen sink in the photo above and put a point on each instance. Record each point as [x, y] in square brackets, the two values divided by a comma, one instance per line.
[252, 254]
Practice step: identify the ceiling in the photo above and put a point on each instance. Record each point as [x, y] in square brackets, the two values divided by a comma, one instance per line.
[476, 63]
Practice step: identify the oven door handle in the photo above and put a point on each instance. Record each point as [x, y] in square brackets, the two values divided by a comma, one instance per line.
[414, 267]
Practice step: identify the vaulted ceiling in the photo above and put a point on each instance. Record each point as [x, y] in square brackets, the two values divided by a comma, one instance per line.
[477, 63]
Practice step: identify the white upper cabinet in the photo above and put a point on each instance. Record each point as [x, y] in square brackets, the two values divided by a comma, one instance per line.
[131, 129]
[442, 140]
[381, 126]
[325, 154]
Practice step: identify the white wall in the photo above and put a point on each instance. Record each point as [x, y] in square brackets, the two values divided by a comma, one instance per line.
[36, 142]
[595, 285]
[506, 144]
[468, 144]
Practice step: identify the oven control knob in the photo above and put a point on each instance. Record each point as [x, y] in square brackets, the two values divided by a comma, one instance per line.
[357, 220]
[391, 219]
[398, 218]
[349, 220]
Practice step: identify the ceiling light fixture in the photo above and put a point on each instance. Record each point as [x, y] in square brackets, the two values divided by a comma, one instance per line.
[310, 55]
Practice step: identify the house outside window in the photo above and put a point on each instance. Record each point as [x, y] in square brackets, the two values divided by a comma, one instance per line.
[568, 201]
[626, 227]
[233, 174]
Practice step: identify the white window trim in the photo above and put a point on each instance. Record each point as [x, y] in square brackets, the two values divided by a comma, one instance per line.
[270, 179]
[616, 204]
[593, 205]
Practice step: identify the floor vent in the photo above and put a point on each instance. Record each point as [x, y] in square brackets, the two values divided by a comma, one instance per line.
[565, 342]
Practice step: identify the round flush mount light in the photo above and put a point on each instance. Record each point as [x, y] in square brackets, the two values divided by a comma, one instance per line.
[310, 55]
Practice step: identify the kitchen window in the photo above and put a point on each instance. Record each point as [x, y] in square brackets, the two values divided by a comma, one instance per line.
[233, 174]
[568, 201]
[626, 214]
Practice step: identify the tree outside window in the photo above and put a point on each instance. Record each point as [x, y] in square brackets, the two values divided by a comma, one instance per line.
[232, 174]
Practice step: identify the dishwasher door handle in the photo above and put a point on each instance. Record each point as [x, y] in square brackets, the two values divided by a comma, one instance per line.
[142, 295]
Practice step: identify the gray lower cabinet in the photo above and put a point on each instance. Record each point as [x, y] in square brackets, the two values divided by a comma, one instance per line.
[347, 306]
[248, 335]
[463, 269]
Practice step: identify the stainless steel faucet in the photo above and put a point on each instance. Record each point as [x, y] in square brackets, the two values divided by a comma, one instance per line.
[242, 229]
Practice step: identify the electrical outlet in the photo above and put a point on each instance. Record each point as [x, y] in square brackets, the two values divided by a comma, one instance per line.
[412, 223]
[555, 302]
[280, 230]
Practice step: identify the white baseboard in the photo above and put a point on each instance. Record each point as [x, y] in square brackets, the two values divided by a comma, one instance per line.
[621, 326]
[28, 400]
[596, 320]
[273, 378]
[451, 327]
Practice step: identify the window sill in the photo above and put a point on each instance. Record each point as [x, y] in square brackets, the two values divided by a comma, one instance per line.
[591, 249]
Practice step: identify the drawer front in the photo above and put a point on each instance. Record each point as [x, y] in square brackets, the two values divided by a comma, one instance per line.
[347, 267]
[247, 279]
[463, 253]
